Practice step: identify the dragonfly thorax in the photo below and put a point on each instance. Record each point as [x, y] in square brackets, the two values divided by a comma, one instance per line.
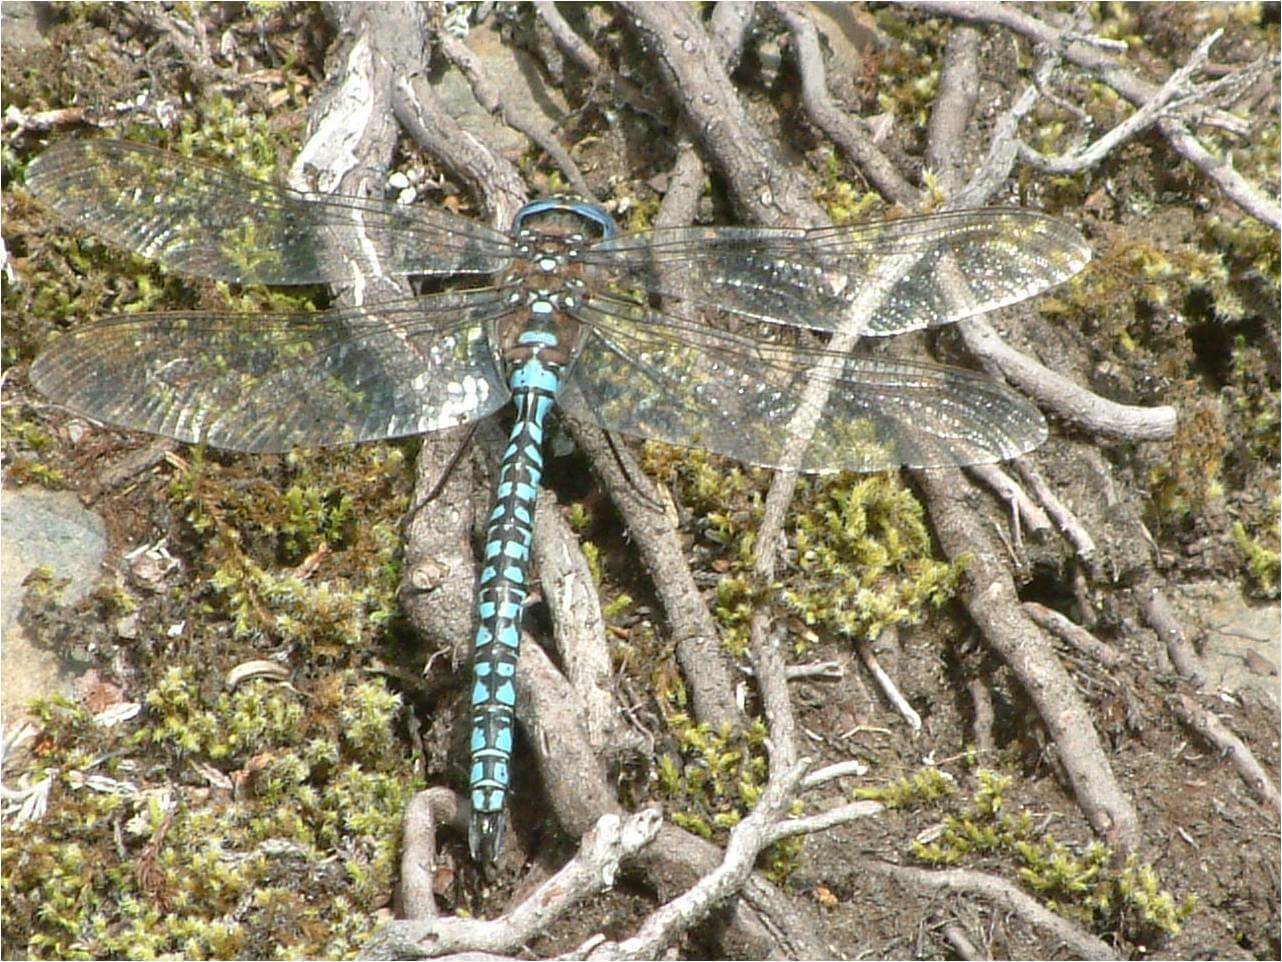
[545, 282]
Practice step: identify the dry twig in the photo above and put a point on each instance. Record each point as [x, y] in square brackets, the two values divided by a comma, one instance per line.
[1003, 894]
[1248, 767]
[1075, 635]
[1133, 88]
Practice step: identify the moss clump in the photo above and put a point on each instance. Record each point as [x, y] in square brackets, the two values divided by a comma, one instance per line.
[922, 788]
[714, 779]
[844, 203]
[864, 558]
[263, 545]
[863, 552]
[908, 71]
[727, 502]
[256, 821]
[262, 828]
[27, 446]
[1190, 477]
[1081, 883]
[1262, 562]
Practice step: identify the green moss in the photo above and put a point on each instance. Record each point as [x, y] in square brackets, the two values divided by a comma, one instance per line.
[735, 603]
[1190, 476]
[908, 75]
[281, 802]
[864, 558]
[922, 788]
[1262, 563]
[863, 553]
[717, 776]
[30, 471]
[578, 517]
[220, 130]
[616, 606]
[1080, 883]
[262, 813]
[366, 716]
[842, 201]
[256, 822]
[641, 213]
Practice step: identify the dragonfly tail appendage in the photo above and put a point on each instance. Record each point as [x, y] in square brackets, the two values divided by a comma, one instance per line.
[485, 836]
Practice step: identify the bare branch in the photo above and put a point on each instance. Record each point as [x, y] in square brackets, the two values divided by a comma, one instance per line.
[426, 810]
[571, 44]
[1074, 634]
[991, 600]
[747, 840]
[1026, 510]
[821, 776]
[846, 132]
[1175, 93]
[954, 107]
[1138, 91]
[490, 96]
[1065, 520]
[697, 640]
[1002, 894]
[590, 872]
[823, 821]
[1064, 397]
[887, 684]
[1248, 767]
[982, 703]
[1164, 621]
[579, 627]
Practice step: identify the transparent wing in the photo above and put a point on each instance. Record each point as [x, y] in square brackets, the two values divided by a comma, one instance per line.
[816, 278]
[206, 221]
[662, 376]
[270, 382]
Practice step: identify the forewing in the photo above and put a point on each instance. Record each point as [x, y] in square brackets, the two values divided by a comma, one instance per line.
[941, 268]
[667, 378]
[270, 382]
[206, 221]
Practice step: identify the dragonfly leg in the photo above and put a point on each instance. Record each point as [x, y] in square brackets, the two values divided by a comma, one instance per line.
[439, 484]
[633, 483]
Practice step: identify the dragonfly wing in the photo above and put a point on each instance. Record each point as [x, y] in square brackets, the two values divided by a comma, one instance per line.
[271, 382]
[663, 377]
[890, 276]
[209, 222]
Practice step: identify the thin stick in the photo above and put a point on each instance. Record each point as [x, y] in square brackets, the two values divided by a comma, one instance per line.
[1003, 894]
[1212, 729]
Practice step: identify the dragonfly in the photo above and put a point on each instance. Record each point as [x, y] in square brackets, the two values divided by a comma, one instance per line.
[711, 337]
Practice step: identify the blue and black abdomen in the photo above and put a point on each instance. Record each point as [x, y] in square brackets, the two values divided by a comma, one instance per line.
[503, 590]
[537, 349]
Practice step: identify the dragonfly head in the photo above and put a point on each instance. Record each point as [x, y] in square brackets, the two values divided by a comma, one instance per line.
[553, 214]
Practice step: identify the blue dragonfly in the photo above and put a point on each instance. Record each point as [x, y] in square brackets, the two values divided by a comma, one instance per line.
[696, 336]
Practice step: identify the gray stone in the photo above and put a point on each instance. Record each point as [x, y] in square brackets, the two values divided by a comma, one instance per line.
[41, 528]
[1239, 642]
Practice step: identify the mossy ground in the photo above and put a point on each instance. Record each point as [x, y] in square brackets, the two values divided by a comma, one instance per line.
[258, 816]
[231, 780]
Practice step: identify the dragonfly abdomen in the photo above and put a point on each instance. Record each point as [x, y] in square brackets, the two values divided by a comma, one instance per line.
[501, 599]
